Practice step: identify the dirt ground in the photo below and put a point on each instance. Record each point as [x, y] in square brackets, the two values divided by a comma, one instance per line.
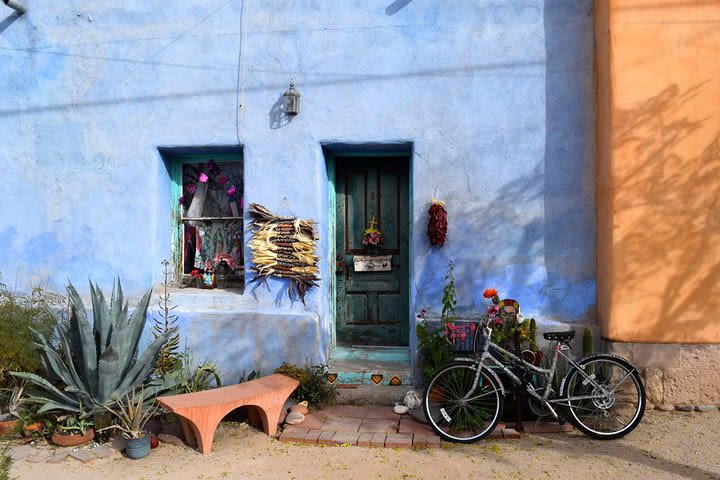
[665, 445]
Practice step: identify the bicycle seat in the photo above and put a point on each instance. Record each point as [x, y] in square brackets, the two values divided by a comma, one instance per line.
[559, 336]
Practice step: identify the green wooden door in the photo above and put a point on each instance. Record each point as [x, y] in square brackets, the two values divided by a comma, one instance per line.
[372, 306]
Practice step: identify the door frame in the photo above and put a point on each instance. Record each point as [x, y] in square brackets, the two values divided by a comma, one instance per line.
[331, 152]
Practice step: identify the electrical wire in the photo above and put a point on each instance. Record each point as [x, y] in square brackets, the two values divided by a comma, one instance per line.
[241, 75]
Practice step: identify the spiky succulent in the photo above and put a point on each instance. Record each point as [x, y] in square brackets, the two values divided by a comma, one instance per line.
[101, 362]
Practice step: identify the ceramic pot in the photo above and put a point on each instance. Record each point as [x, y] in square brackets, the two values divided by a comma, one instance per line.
[7, 427]
[72, 440]
[31, 428]
[138, 447]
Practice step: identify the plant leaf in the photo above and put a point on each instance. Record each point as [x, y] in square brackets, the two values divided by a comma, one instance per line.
[143, 366]
[80, 327]
[101, 318]
[128, 344]
[44, 384]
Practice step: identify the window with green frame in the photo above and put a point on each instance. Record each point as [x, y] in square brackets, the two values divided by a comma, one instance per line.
[210, 225]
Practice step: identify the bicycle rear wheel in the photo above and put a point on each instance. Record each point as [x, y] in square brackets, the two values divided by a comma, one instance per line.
[612, 410]
[457, 412]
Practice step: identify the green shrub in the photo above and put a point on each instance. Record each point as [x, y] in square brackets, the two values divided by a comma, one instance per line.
[194, 376]
[102, 360]
[19, 313]
[5, 463]
[313, 387]
[435, 350]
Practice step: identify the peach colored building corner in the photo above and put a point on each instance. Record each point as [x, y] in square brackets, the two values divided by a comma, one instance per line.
[658, 170]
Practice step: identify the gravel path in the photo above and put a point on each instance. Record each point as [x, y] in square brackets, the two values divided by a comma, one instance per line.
[665, 445]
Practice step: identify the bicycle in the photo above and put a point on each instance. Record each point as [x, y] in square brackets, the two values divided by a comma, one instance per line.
[602, 395]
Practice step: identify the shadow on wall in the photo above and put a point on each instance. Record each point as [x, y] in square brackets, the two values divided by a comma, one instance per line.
[536, 235]
[491, 235]
[278, 118]
[667, 205]
[569, 176]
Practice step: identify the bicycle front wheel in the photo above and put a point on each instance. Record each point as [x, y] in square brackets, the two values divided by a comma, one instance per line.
[608, 401]
[457, 411]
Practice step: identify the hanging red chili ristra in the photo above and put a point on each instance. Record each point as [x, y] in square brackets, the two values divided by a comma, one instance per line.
[437, 224]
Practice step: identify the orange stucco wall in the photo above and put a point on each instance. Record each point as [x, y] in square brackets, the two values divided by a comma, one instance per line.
[658, 170]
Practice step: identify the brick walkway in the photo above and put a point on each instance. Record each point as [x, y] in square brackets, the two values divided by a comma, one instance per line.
[375, 426]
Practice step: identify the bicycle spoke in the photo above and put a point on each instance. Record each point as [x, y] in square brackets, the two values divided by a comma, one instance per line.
[460, 409]
[605, 405]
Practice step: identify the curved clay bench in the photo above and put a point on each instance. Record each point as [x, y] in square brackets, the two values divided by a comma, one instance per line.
[201, 412]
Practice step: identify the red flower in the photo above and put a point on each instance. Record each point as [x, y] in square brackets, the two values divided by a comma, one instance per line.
[490, 292]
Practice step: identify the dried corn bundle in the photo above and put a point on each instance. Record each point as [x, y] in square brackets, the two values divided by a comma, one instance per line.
[437, 223]
[284, 247]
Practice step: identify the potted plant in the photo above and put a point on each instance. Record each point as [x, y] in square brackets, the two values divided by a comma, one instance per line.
[224, 266]
[12, 408]
[132, 412]
[73, 430]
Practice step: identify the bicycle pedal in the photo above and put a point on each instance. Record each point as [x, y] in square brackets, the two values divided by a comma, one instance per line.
[561, 420]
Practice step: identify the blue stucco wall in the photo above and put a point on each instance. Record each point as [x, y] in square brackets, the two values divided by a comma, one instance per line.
[496, 99]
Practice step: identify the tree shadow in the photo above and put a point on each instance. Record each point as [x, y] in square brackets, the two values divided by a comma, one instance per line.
[666, 207]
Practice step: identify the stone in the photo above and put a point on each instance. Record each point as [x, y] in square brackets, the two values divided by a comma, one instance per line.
[706, 408]
[684, 408]
[39, 458]
[665, 407]
[294, 418]
[83, 455]
[621, 349]
[300, 408]
[401, 409]
[691, 386]
[657, 355]
[101, 451]
[59, 456]
[22, 452]
[281, 418]
[700, 357]
[654, 385]
[171, 439]
[412, 399]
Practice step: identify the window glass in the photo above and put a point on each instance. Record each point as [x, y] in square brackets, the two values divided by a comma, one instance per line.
[211, 205]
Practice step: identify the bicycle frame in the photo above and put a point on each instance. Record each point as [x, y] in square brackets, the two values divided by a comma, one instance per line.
[486, 357]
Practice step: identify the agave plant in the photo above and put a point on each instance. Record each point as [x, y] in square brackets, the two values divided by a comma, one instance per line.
[101, 362]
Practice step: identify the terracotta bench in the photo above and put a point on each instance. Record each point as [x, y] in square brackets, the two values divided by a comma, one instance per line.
[201, 412]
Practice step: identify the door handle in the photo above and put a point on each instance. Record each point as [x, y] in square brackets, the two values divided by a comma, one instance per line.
[339, 264]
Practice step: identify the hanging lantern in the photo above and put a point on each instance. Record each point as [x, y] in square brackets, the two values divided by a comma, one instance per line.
[291, 100]
[437, 223]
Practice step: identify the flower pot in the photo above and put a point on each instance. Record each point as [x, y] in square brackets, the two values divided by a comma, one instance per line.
[7, 427]
[32, 428]
[72, 440]
[138, 447]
